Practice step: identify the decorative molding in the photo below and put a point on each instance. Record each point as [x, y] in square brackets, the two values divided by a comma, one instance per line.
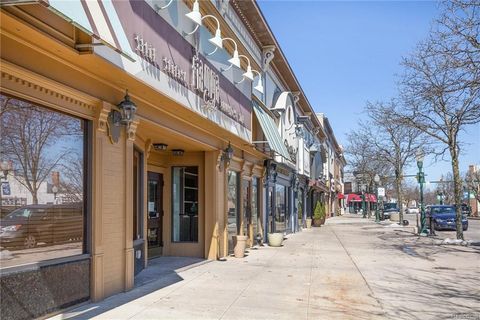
[268, 55]
[148, 148]
[45, 88]
[220, 162]
[101, 117]
[132, 130]
[296, 96]
[223, 6]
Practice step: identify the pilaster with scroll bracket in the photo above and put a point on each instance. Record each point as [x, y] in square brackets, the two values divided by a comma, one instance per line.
[268, 55]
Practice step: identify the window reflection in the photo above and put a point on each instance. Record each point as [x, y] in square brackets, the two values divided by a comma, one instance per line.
[280, 210]
[42, 197]
[232, 198]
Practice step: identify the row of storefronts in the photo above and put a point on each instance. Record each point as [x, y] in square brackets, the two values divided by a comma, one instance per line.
[139, 129]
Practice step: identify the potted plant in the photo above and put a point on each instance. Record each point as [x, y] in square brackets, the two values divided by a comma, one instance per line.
[240, 246]
[319, 214]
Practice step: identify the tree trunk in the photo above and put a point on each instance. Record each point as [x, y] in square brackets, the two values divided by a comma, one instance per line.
[457, 189]
[34, 198]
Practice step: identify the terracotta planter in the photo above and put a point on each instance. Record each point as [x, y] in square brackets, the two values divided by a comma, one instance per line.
[275, 239]
[317, 222]
[240, 245]
[309, 223]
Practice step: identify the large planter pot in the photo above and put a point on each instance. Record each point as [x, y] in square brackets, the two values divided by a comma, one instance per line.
[240, 245]
[317, 222]
[309, 223]
[275, 239]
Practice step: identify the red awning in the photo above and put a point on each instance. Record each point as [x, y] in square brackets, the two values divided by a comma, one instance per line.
[352, 197]
[341, 196]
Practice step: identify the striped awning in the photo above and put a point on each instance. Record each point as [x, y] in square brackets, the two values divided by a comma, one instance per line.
[271, 132]
[96, 18]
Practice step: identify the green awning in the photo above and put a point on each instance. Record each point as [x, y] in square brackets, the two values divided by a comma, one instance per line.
[271, 132]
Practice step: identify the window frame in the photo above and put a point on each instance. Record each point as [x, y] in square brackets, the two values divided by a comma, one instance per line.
[182, 203]
[87, 149]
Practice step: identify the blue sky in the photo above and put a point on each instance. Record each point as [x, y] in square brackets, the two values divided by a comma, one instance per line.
[345, 53]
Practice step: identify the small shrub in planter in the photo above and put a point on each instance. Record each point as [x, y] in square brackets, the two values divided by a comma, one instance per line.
[319, 214]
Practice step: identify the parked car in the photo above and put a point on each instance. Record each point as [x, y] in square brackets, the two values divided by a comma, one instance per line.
[443, 217]
[28, 226]
[388, 210]
[412, 210]
[466, 209]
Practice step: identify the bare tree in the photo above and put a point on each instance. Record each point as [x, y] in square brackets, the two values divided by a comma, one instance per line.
[29, 133]
[411, 193]
[394, 143]
[363, 159]
[472, 180]
[441, 87]
[72, 175]
[445, 188]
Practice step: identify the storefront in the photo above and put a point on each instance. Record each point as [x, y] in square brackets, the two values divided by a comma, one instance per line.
[179, 179]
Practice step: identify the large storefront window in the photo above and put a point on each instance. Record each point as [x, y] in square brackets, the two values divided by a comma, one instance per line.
[185, 204]
[233, 206]
[281, 208]
[43, 194]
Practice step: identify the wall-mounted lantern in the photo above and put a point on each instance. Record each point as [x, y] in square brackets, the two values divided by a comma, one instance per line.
[124, 116]
[227, 155]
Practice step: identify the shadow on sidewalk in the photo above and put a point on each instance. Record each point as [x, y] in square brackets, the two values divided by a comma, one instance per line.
[160, 273]
[440, 293]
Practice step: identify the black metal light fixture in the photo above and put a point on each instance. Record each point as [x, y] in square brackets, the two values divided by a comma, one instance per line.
[124, 116]
[228, 152]
[127, 110]
[160, 146]
[178, 152]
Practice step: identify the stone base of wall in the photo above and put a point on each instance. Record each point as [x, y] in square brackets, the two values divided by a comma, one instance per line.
[42, 289]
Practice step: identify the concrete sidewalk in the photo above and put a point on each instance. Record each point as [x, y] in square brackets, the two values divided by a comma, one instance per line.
[347, 269]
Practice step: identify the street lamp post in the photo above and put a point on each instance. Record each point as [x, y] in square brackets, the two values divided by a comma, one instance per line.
[421, 180]
[377, 213]
[364, 212]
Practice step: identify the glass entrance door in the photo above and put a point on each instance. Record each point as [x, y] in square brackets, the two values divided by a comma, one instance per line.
[155, 214]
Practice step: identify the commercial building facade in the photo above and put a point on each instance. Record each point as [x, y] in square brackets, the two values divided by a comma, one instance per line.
[191, 156]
